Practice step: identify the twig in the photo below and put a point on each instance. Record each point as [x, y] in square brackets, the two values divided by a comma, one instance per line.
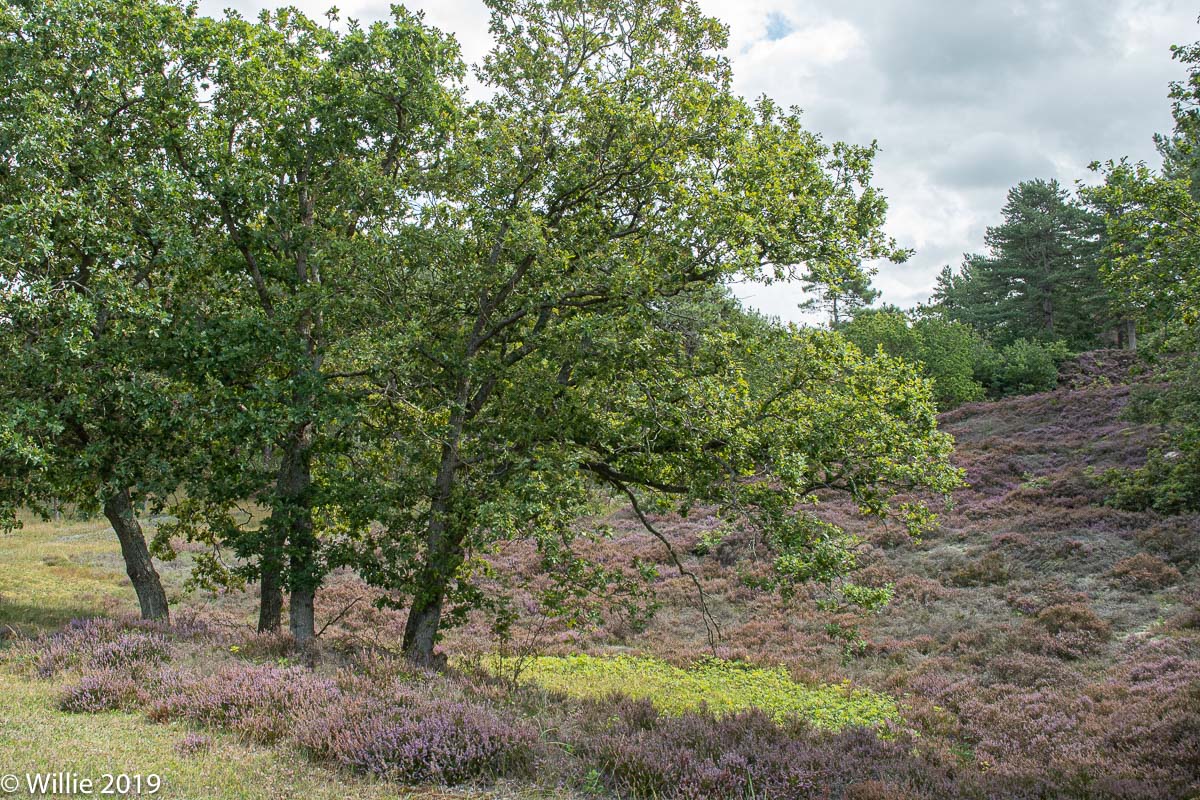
[339, 615]
[711, 628]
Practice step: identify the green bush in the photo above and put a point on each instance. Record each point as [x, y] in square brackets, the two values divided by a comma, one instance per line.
[888, 328]
[1022, 367]
[944, 350]
[947, 350]
[1169, 482]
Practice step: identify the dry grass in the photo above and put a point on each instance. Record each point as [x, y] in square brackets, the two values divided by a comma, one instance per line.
[35, 737]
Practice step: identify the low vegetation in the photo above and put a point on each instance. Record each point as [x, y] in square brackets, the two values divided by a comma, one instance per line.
[1069, 672]
[715, 686]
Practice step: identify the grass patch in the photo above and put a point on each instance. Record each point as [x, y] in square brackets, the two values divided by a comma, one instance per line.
[36, 737]
[721, 686]
[51, 572]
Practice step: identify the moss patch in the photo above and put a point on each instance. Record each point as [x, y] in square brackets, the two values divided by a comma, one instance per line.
[722, 686]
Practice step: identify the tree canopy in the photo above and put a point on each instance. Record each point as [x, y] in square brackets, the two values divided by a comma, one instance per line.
[1153, 233]
[390, 328]
[1040, 277]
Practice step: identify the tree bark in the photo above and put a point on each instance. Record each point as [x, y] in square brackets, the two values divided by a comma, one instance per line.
[443, 553]
[300, 614]
[424, 619]
[118, 508]
[1130, 334]
[270, 595]
[1048, 315]
[293, 523]
[443, 558]
[270, 577]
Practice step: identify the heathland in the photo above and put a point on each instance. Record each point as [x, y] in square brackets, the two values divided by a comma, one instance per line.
[1039, 643]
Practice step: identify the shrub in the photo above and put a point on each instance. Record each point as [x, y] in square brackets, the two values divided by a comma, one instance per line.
[991, 568]
[748, 755]
[1023, 367]
[914, 588]
[876, 790]
[1144, 571]
[944, 350]
[694, 756]
[1029, 670]
[264, 646]
[193, 743]
[947, 352]
[872, 329]
[1068, 630]
[93, 644]
[414, 739]
[1174, 539]
[105, 690]
[257, 702]
[1168, 483]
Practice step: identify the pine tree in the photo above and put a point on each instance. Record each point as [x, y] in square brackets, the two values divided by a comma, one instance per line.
[1040, 277]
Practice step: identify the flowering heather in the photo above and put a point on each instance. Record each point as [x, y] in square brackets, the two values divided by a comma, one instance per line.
[103, 690]
[258, 702]
[92, 644]
[193, 743]
[1068, 630]
[1144, 571]
[747, 755]
[368, 719]
[412, 738]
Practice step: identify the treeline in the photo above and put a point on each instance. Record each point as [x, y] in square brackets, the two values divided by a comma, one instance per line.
[1002, 322]
[285, 283]
[1112, 265]
[1153, 246]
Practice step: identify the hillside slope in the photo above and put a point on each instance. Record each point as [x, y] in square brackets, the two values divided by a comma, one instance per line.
[1039, 644]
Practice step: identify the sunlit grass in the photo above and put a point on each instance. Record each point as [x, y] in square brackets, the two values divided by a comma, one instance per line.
[36, 737]
[721, 686]
[53, 571]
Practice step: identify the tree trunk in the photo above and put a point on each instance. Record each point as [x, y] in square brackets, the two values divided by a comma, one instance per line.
[1130, 337]
[300, 615]
[118, 508]
[293, 528]
[270, 596]
[424, 618]
[425, 615]
[443, 559]
[1048, 315]
[443, 554]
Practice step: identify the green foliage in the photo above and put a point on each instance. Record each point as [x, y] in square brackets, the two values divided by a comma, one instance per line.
[868, 598]
[839, 295]
[851, 639]
[1153, 240]
[1040, 278]
[298, 272]
[885, 328]
[579, 338]
[945, 350]
[1020, 367]
[304, 150]
[1169, 482]
[1153, 233]
[721, 686]
[87, 238]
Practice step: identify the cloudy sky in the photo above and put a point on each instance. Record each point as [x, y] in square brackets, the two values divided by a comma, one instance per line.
[965, 97]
